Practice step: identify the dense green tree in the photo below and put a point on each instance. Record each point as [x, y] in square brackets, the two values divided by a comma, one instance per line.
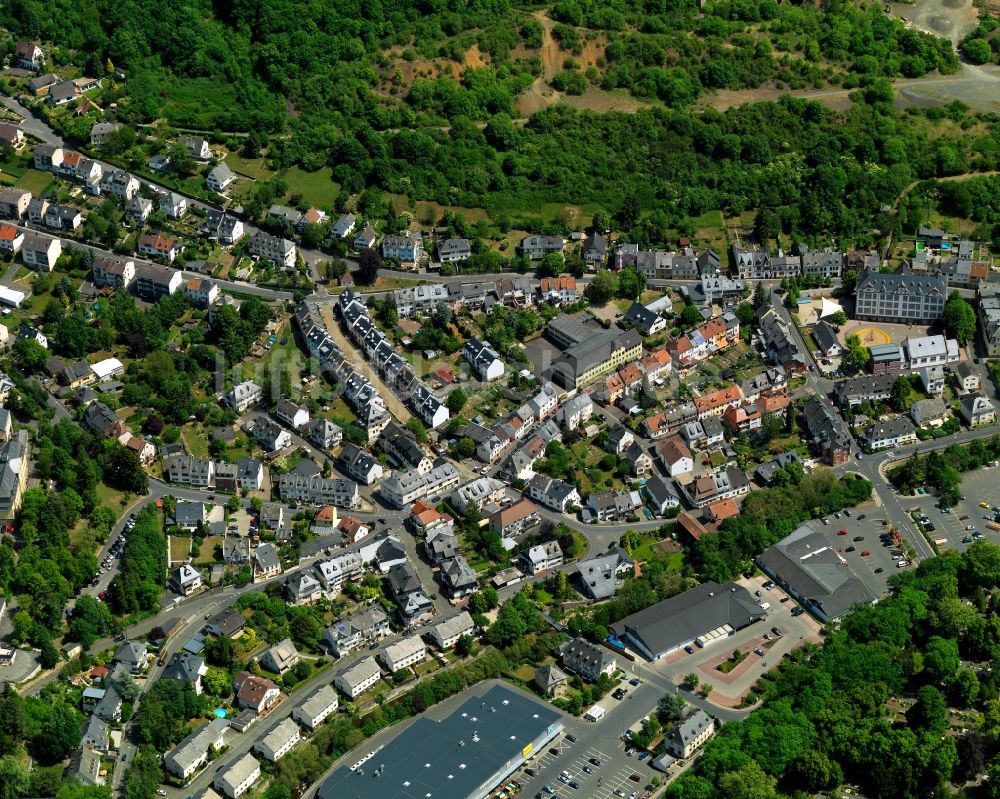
[602, 287]
[959, 319]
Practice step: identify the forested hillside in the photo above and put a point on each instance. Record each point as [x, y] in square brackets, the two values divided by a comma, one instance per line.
[421, 98]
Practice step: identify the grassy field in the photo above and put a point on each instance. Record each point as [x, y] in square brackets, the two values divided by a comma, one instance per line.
[195, 441]
[254, 168]
[34, 181]
[180, 546]
[318, 188]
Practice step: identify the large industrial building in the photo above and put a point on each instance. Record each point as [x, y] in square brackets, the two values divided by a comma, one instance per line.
[463, 756]
[704, 615]
[815, 574]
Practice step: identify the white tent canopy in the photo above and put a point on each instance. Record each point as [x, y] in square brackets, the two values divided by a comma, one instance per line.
[829, 308]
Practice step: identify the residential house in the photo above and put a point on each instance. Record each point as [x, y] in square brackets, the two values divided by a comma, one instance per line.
[295, 416]
[256, 693]
[138, 210]
[594, 250]
[484, 360]
[227, 623]
[452, 250]
[133, 655]
[278, 741]
[967, 377]
[689, 734]
[619, 439]
[110, 707]
[153, 282]
[930, 351]
[14, 466]
[896, 432]
[250, 474]
[554, 494]
[244, 396]
[428, 407]
[647, 322]
[238, 778]
[458, 577]
[323, 433]
[540, 558]
[576, 412]
[173, 205]
[408, 248]
[270, 435]
[352, 530]
[587, 659]
[47, 157]
[201, 292]
[119, 183]
[101, 132]
[363, 628]
[537, 247]
[826, 339]
[359, 678]
[828, 432]
[559, 289]
[303, 589]
[601, 576]
[446, 633]
[63, 93]
[639, 461]
[276, 249]
[103, 421]
[190, 515]
[365, 238]
[280, 657]
[714, 487]
[403, 653]
[11, 136]
[40, 252]
[715, 404]
[272, 516]
[226, 228]
[403, 450]
[85, 768]
[855, 391]
[11, 239]
[220, 178]
[977, 410]
[156, 245]
[14, 203]
[40, 86]
[360, 465]
[317, 490]
[184, 469]
[193, 752]
[515, 519]
[27, 55]
[929, 413]
[113, 271]
[95, 735]
[186, 579]
[188, 669]
[197, 147]
[266, 562]
[661, 495]
[316, 707]
[675, 456]
[343, 227]
[552, 681]
[932, 379]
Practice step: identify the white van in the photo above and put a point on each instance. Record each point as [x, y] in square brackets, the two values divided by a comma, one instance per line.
[900, 564]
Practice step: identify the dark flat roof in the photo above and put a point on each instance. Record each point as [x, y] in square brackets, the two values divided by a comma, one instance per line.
[451, 758]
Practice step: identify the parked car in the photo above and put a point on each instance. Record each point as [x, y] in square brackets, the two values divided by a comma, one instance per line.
[859, 538]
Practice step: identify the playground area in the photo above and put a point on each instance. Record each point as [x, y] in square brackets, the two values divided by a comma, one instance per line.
[871, 336]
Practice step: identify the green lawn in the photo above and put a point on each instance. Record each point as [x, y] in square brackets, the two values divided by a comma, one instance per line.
[34, 181]
[195, 441]
[317, 188]
[254, 168]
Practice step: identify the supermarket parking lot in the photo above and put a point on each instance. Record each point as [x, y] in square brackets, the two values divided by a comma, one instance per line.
[978, 486]
[600, 740]
[863, 566]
